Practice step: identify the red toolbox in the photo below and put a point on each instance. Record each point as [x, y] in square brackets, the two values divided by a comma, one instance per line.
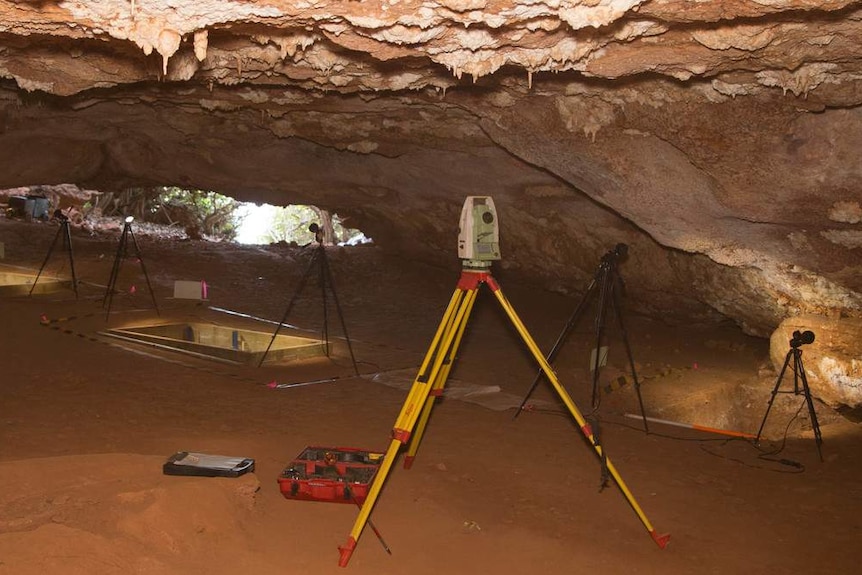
[334, 474]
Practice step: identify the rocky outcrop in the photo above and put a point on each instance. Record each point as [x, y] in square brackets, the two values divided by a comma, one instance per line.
[718, 139]
[832, 361]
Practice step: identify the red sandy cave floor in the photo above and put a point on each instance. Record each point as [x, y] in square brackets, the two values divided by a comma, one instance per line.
[85, 427]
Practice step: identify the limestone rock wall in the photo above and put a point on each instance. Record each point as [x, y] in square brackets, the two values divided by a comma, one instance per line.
[833, 366]
[718, 139]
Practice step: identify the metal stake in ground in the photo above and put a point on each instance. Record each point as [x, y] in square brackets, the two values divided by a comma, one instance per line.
[122, 254]
[799, 339]
[608, 283]
[62, 231]
[331, 460]
[320, 262]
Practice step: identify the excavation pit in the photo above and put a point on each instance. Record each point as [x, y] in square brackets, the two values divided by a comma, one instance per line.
[222, 343]
[16, 283]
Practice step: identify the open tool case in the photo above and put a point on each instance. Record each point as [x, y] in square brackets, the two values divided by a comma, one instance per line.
[333, 474]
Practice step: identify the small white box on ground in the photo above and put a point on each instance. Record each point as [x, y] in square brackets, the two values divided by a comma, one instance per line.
[603, 357]
[190, 290]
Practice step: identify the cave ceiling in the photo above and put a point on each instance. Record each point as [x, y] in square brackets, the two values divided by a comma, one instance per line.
[718, 139]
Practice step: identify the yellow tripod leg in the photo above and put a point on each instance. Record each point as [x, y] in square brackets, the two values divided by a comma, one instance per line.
[347, 550]
[435, 357]
[434, 349]
[661, 540]
[440, 381]
[454, 317]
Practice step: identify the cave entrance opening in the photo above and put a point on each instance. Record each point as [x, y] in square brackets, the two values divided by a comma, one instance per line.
[196, 214]
[267, 224]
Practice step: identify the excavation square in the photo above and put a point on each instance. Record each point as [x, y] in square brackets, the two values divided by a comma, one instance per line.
[15, 284]
[223, 343]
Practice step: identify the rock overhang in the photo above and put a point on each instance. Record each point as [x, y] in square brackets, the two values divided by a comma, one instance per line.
[716, 138]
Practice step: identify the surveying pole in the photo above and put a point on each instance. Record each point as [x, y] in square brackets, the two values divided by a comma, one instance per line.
[478, 247]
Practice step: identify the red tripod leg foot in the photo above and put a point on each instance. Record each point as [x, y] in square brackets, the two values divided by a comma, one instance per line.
[660, 539]
[346, 551]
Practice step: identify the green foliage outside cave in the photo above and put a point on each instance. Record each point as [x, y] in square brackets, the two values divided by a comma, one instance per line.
[291, 224]
[209, 214]
[200, 213]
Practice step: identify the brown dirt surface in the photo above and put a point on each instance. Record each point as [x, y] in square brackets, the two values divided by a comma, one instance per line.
[87, 421]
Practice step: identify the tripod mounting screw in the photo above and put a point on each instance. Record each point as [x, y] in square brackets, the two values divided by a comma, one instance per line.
[620, 251]
[801, 338]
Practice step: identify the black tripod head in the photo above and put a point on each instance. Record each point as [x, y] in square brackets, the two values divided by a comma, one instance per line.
[613, 256]
[801, 338]
[318, 233]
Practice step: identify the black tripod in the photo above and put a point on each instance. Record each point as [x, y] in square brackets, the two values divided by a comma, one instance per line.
[608, 283]
[324, 275]
[795, 353]
[123, 253]
[64, 232]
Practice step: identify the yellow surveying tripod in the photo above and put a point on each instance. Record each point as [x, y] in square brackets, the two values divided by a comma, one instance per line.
[478, 246]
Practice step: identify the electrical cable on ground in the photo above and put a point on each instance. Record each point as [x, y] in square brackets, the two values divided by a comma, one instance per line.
[764, 456]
